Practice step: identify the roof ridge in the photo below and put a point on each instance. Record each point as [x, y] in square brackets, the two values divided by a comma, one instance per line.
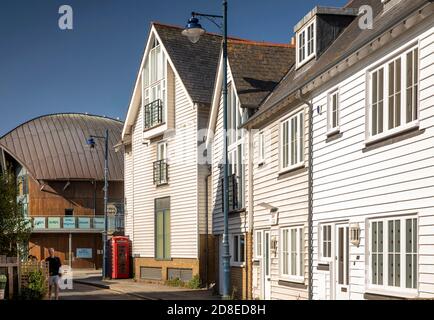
[262, 43]
[231, 38]
[58, 114]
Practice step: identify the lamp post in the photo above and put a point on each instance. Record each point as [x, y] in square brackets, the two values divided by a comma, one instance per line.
[194, 31]
[91, 143]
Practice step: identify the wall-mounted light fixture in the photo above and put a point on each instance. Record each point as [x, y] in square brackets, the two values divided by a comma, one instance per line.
[355, 234]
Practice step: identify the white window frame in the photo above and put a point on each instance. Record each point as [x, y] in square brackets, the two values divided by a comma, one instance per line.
[235, 261]
[304, 32]
[401, 290]
[300, 161]
[160, 85]
[162, 150]
[299, 246]
[403, 99]
[330, 128]
[321, 242]
[258, 243]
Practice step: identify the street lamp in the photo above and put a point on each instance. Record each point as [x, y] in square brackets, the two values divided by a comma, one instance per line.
[91, 143]
[194, 31]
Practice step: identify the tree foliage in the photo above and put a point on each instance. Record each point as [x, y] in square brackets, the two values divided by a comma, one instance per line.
[14, 227]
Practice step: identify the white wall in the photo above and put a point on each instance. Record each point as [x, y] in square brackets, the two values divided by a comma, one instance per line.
[182, 187]
[354, 185]
[287, 193]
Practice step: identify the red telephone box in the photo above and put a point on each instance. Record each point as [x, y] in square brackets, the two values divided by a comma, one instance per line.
[120, 257]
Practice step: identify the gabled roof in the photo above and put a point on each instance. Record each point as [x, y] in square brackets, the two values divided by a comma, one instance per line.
[196, 63]
[53, 147]
[257, 68]
[349, 41]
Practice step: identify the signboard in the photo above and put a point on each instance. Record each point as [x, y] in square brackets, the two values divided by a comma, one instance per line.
[98, 223]
[84, 223]
[39, 223]
[69, 223]
[53, 223]
[84, 253]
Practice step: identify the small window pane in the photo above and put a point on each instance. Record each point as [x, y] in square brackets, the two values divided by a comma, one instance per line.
[235, 246]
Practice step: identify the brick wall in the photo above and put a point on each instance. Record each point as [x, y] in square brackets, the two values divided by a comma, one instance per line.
[164, 265]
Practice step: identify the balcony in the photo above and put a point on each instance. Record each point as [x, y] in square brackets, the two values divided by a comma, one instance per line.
[160, 172]
[76, 224]
[153, 114]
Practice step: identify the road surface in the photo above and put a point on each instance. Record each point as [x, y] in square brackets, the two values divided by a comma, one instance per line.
[87, 292]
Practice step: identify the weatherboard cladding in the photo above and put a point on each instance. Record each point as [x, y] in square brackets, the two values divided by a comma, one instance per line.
[349, 41]
[53, 147]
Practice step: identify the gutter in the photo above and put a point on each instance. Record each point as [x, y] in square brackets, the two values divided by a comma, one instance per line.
[302, 98]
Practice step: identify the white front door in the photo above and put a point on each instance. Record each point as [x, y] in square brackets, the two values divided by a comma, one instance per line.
[266, 276]
[341, 262]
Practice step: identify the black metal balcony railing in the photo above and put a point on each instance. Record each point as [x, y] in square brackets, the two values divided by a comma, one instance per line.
[160, 172]
[153, 113]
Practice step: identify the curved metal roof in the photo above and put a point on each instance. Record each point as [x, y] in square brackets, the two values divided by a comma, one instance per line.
[53, 147]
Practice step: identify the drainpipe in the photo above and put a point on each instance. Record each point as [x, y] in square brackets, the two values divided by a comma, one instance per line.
[250, 217]
[302, 98]
[206, 224]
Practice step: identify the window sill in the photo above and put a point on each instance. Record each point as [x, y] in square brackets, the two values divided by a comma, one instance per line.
[291, 171]
[233, 212]
[161, 184]
[333, 132]
[394, 136]
[373, 294]
[334, 135]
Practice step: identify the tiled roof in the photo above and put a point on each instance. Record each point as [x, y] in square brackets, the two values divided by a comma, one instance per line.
[196, 63]
[348, 42]
[53, 147]
[257, 68]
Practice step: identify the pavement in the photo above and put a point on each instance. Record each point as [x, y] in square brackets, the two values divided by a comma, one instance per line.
[130, 288]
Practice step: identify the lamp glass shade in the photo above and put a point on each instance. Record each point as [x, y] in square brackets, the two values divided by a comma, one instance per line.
[193, 31]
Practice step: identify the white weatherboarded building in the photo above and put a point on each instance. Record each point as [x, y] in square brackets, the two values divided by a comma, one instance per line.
[370, 209]
[373, 160]
[165, 179]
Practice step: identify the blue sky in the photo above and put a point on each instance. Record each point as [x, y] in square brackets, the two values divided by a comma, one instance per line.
[92, 68]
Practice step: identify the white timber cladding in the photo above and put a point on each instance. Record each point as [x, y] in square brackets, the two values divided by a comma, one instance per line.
[128, 190]
[357, 184]
[238, 223]
[286, 192]
[183, 173]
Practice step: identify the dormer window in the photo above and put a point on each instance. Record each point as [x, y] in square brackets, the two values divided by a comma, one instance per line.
[154, 87]
[306, 43]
